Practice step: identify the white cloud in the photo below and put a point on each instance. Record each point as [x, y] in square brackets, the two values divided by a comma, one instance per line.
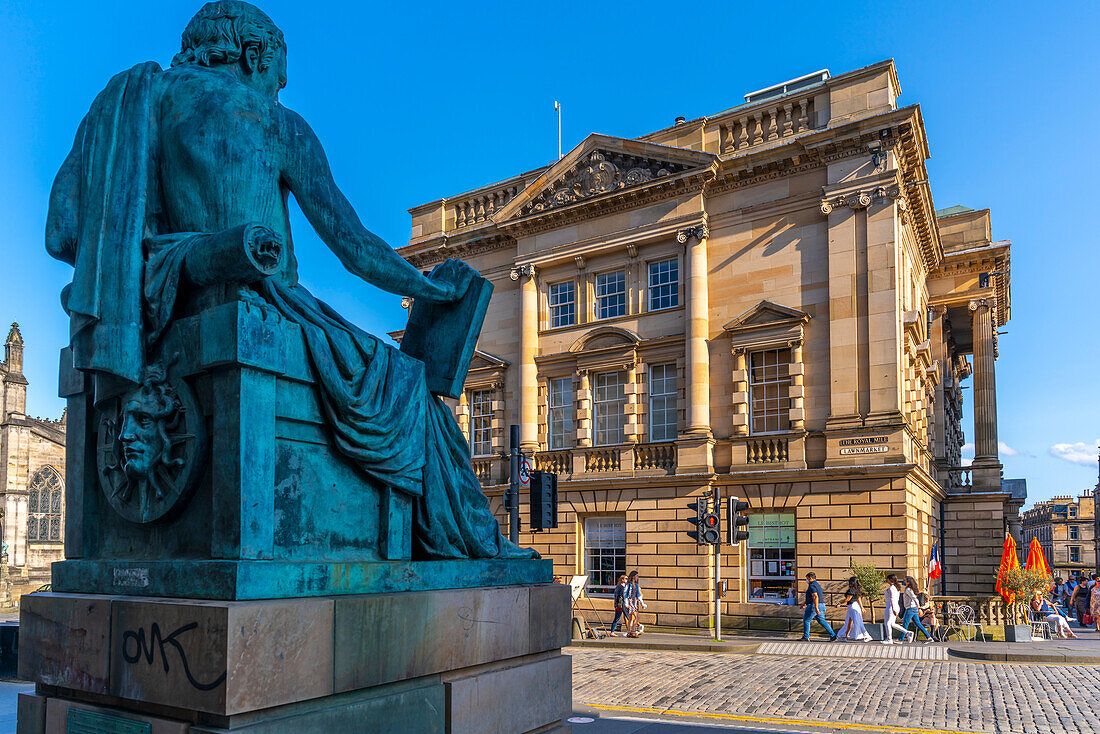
[968, 449]
[1006, 450]
[965, 461]
[1076, 453]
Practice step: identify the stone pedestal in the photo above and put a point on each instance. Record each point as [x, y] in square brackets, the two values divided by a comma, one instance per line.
[474, 660]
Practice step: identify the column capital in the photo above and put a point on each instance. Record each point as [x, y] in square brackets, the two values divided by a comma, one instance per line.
[522, 271]
[977, 303]
[699, 232]
[863, 198]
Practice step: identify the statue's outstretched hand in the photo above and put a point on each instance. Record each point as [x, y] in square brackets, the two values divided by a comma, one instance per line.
[451, 280]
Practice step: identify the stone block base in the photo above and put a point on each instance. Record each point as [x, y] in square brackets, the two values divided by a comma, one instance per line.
[449, 661]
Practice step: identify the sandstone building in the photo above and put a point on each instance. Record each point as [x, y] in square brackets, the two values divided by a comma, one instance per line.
[762, 302]
[1065, 528]
[32, 477]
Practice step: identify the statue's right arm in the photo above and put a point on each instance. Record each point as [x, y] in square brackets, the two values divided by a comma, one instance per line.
[61, 221]
[307, 174]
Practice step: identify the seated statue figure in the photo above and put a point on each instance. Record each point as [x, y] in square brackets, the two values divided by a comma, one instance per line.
[167, 167]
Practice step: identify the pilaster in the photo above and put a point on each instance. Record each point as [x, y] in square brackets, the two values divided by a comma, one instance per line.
[528, 348]
[698, 331]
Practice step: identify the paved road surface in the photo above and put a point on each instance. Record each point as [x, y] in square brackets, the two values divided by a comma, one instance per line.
[747, 690]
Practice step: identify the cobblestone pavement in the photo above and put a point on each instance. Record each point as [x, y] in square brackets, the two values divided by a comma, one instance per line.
[907, 694]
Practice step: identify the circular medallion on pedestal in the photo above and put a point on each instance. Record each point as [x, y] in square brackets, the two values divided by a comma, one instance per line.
[150, 444]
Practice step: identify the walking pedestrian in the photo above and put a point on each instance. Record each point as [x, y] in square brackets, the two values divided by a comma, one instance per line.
[815, 608]
[634, 604]
[1079, 601]
[620, 604]
[912, 611]
[892, 610]
[1094, 601]
[853, 628]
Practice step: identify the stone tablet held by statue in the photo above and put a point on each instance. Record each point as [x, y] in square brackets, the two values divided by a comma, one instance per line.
[443, 335]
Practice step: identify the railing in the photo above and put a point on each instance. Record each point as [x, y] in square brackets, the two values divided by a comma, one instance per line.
[481, 207]
[770, 121]
[988, 610]
[767, 450]
[603, 459]
[483, 469]
[655, 456]
[958, 477]
[555, 462]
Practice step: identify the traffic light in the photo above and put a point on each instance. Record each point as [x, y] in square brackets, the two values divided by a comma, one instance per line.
[712, 528]
[544, 500]
[700, 508]
[736, 519]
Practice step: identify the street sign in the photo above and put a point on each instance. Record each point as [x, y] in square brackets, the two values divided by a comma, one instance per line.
[524, 471]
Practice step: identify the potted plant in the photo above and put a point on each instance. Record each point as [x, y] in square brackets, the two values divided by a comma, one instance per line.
[1021, 584]
[871, 580]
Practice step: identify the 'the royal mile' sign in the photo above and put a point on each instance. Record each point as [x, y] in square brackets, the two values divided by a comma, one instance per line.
[864, 445]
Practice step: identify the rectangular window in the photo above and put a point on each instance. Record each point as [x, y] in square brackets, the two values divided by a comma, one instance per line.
[604, 553]
[561, 413]
[563, 311]
[611, 294]
[1074, 532]
[1073, 510]
[770, 389]
[664, 284]
[1075, 554]
[610, 405]
[771, 555]
[662, 402]
[481, 422]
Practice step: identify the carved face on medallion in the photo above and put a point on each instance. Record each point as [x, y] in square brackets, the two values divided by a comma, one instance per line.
[143, 436]
[148, 447]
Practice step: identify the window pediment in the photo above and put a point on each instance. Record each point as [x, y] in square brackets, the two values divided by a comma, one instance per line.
[766, 324]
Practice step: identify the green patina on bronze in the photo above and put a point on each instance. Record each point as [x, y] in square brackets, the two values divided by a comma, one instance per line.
[217, 410]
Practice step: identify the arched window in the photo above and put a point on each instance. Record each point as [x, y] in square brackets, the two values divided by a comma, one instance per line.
[44, 505]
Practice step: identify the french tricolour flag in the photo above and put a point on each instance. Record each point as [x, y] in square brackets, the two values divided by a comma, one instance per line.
[934, 567]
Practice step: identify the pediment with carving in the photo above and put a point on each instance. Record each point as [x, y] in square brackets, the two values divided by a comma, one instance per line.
[601, 172]
[601, 167]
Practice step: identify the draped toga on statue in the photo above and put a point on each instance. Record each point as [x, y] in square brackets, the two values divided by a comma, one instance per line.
[130, 265]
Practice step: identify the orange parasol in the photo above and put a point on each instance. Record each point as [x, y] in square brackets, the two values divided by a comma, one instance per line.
[1009, 562]
[1036, 561]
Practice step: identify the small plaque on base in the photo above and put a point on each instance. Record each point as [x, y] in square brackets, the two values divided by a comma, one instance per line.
[82, 721]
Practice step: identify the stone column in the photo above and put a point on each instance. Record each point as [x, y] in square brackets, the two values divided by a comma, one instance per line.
[698, 331]
[987, 466]
[528, 348]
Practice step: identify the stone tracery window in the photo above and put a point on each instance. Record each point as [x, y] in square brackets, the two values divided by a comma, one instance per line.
[44, 505]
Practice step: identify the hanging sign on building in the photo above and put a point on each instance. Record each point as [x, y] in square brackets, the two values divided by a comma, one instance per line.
[864, 445]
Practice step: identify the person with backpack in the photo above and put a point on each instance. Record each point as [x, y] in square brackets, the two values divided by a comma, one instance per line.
[620, 604]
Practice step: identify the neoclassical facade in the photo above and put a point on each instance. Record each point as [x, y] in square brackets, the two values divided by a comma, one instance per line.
[32, 475]
[1065, 528]
[763, 303]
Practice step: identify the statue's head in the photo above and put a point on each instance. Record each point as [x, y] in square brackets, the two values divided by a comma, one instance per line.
[147, 413]
[231, 32]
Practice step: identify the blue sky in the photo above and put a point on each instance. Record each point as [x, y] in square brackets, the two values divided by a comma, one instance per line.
[414, 102]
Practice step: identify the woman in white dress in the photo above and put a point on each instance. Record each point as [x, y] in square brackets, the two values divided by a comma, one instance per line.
[853, 628]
